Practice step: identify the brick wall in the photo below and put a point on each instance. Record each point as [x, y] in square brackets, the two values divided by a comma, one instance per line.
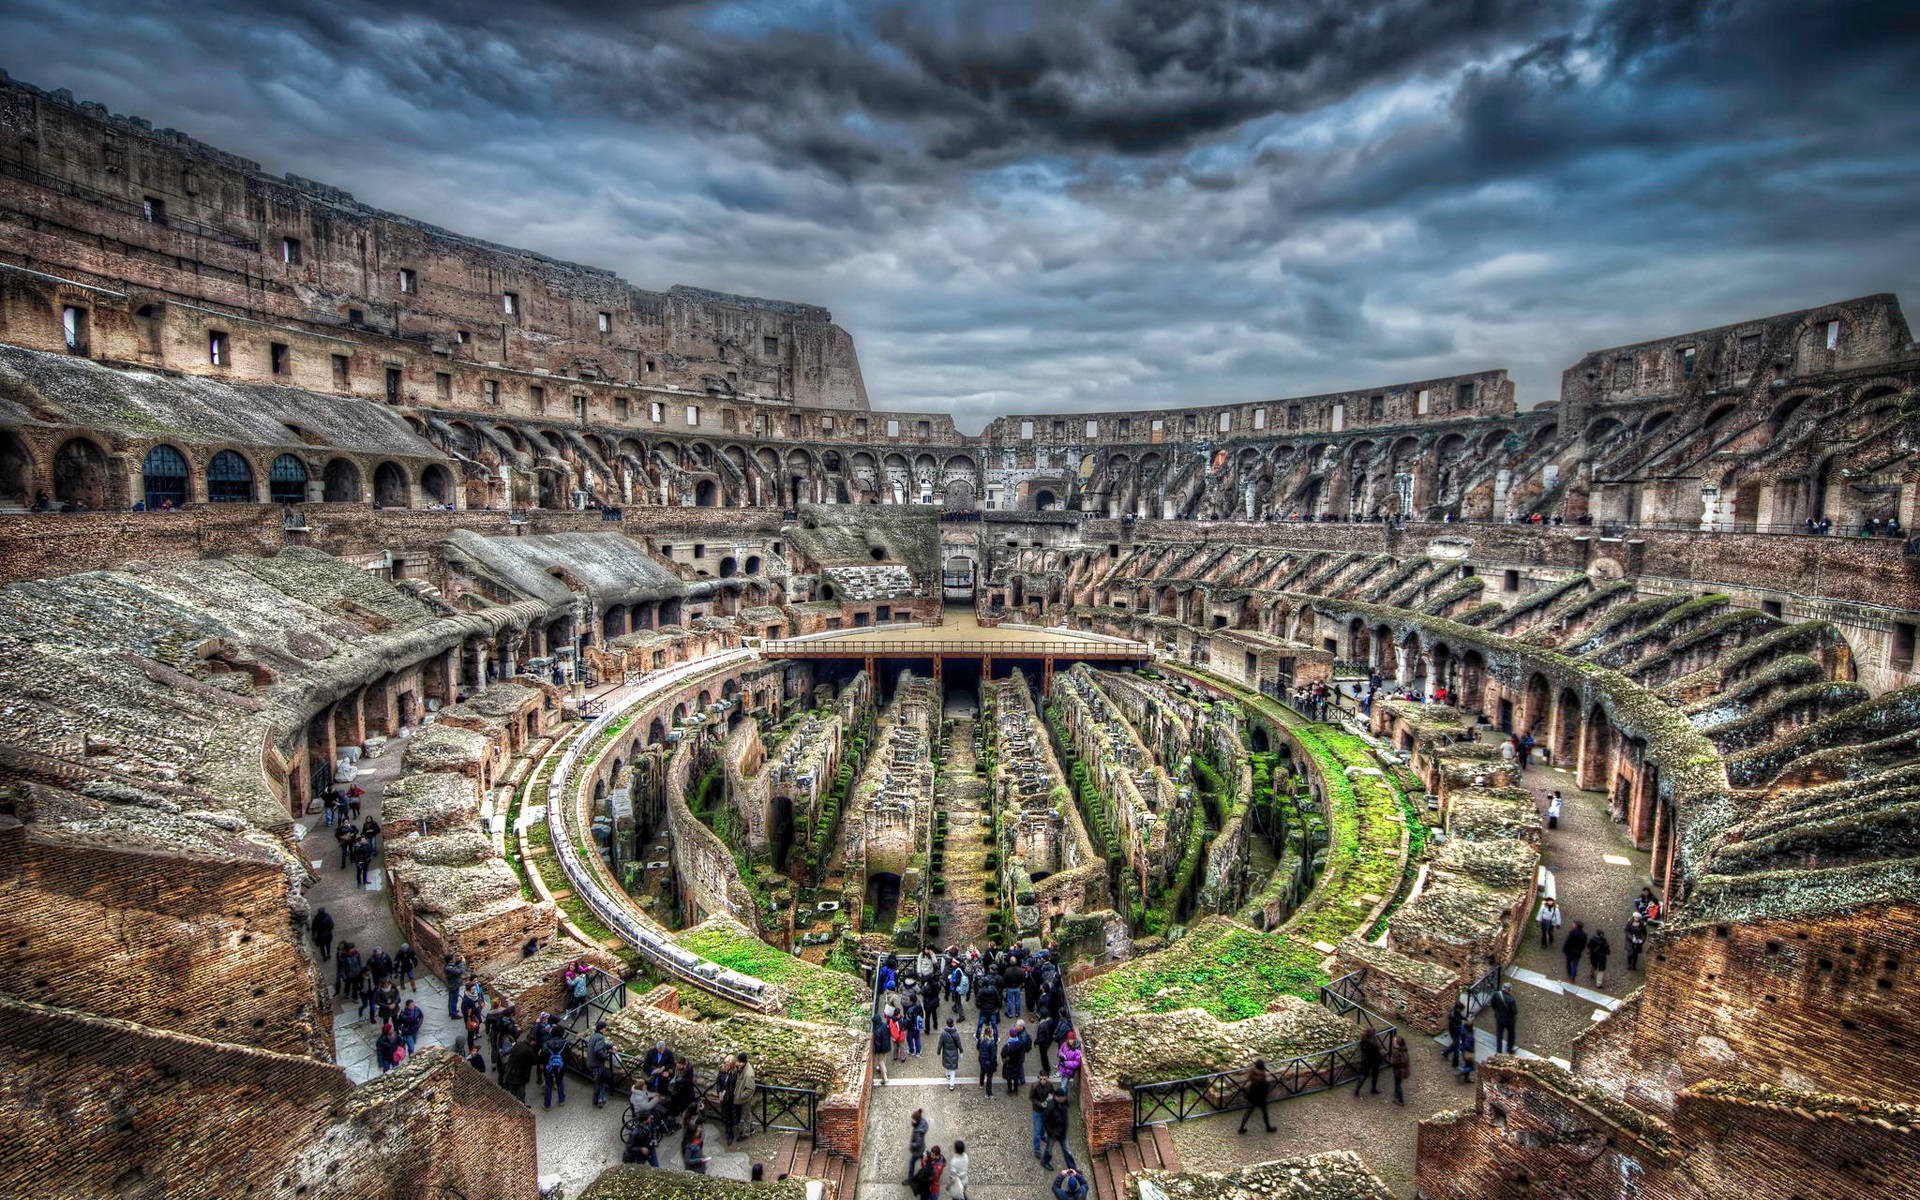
[1821, 1004]
[99, 1107]
[188, 941]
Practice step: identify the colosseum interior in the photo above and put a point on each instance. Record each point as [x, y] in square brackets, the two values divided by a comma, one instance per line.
[667, 661]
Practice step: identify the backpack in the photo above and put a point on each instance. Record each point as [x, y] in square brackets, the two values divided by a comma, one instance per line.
[556, 1061]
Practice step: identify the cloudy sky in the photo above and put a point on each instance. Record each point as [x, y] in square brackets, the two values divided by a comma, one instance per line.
[1098, 204]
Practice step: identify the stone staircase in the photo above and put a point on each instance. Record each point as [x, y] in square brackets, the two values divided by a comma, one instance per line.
[1151, 1150]
[798, 1158]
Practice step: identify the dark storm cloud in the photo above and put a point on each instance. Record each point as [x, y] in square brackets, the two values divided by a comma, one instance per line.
[1101, 203]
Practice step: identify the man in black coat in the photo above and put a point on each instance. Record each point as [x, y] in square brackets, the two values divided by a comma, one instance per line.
[323, 932]
[1573, 947]
[1506, 1012]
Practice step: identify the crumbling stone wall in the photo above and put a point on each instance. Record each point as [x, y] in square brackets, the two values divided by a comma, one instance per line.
[198, 937]
[101, 1107]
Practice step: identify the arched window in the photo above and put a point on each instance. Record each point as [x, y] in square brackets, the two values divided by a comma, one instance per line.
[287, 480]
[229, 479]
[164, 473]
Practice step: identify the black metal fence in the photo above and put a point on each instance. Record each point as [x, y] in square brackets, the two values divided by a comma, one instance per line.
[1481, 992]
[1226, 1091]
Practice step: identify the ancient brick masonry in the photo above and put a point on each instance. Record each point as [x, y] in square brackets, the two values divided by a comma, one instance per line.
[99, 1107]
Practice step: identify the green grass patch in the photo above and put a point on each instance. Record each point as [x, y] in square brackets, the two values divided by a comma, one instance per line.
[1229, 970]
[813, 993]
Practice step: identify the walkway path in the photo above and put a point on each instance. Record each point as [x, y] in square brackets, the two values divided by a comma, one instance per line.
[998, 1130]
[964, 797]
[364, 916]
[1596, 873]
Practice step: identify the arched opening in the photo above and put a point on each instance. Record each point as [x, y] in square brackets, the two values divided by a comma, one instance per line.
[1566, 727]
[706, 494]
[80, 474]
[1596, 751]
[390, 488]
[1043, 500]
[1536, 716]
[780, 830]
[163, 477]
[340, 484]
[883, 900]
[752, 566]
[229, 479]
[16, 468]
[550, 489]
[437, 483]
[729, 567]
[287, 480]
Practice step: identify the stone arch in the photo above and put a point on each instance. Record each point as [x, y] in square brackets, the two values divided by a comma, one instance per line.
[706, 494]
[229, 479]
[164, 476]
[1596, 750]
[80, 473]
[340, 482]
[436, 484]
[16, 469]
[286, 480]
[390, 487]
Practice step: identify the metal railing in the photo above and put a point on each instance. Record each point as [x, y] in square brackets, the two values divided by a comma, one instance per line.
[1197, 1096]
[879, 648]
[1481, 992]
[618, 913]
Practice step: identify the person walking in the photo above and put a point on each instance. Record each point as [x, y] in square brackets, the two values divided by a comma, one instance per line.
[1259, 1093]
[693, 1148]
[1573, 948]
[322, 927]
[362, 860]
[455, 971]
[921, 1180]
[556, 1081]
[1070, 1056]
[1553, 810]
[1634, 937]
[899, 1037]
[1371, 1061]
[987, 1002]
[957, 1170]
[1037, 1096]
[740, 1120]
[521, 1061]
[1459, 1034]
[987, 1051]
[346, 969]
[346, 835]
[1400, 1062]
[882, 1043]
[916, 1143]
[407, 1023]
[405, 963]
[1549, 920]
[1597, 951]
[910, 1022]
[383, 1047]
[1013, 1057]
[600, 1062]
[950, 1052]
[1043, 1039]
[1506, 1012]
[1053, 1121]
